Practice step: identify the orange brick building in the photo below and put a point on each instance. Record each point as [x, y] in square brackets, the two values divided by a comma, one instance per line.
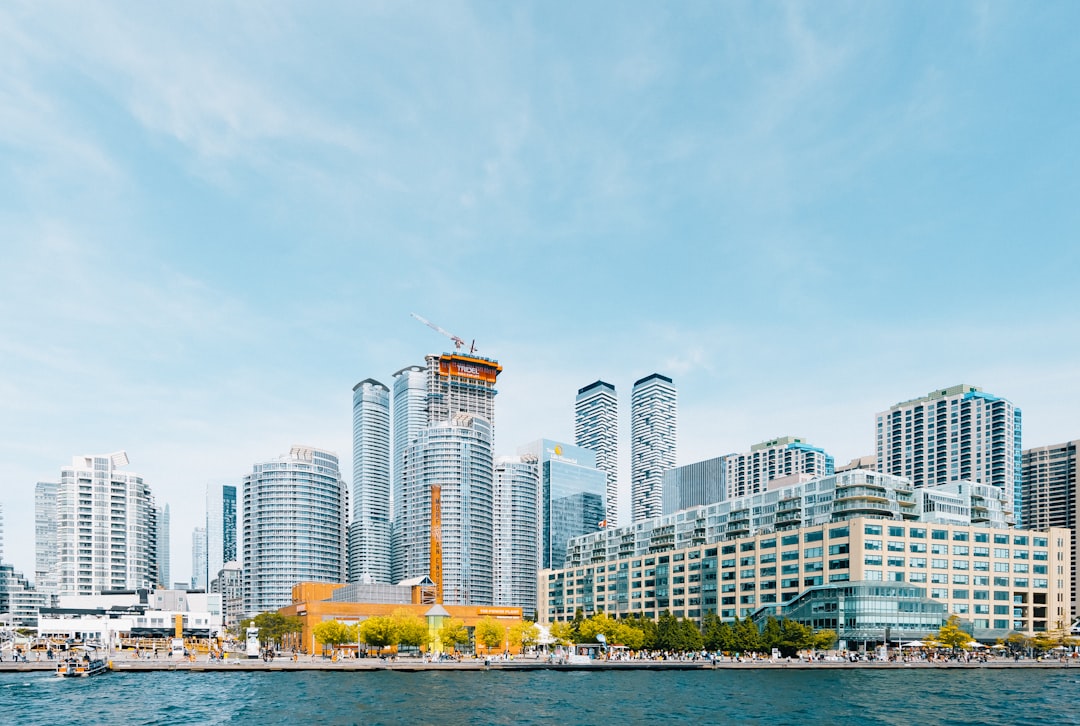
[313, 603]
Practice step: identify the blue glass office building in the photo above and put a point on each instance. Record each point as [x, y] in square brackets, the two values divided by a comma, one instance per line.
[572, 492]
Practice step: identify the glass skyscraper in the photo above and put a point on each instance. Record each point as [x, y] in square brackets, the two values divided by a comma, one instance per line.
[369, 530]
[410, 417]
[572, 494]
[220, 528]
[515, 531]
[199, 566]
[456, 456]
[294, 510]
[653, 428]
[596, 427]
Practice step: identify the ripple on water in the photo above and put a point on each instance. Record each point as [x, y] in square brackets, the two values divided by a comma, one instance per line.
[898, 697]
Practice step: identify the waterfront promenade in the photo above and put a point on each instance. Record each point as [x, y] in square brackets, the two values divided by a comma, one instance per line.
[374, 664]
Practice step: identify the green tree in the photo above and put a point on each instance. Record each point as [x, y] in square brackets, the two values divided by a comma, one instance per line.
[411, 629]
[649, 631]
[711, 627]
[746, 638]
[689, 635]
[273, 626]
[824, 640]
[333, 633]
[626, 634]
[489, 633]
[524, 634]
[950, 635]
[668, 635]
[598, 624]
[378, 631]
[794, 636]
[772, 635]
[561, 632]
[453, 633]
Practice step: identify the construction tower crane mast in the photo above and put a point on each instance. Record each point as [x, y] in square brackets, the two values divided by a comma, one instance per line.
[459, 343]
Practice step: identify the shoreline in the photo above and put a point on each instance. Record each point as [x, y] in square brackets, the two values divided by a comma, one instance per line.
[365, 665]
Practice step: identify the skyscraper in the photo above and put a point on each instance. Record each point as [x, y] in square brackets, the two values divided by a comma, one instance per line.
[572, 494]
[751, 472]
[456, 456]
[410, 417]
[369, 530]
[106, 527]
[163, 543]
[221, 537]
[596, 427]
[294, 510]
[199, 567]
[459, 383]
[516, 524]
[45, 551]
[1051, 480]
[954, 434]
[653, 429]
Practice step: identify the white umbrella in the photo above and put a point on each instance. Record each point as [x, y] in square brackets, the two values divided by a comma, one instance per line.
[975, 644]
[913, 644]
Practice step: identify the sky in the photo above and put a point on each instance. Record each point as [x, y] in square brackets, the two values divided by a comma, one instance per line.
[216, 218]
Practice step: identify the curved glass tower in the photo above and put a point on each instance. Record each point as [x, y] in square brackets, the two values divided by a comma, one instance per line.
[294, 526]
[369, 530]
[455, 455]
[652, 444]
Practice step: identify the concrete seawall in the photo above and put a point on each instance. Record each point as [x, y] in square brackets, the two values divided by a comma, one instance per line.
[369, 664]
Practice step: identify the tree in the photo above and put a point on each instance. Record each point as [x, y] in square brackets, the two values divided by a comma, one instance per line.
[711, 628]
[334, 633]
[453, 633]
[824, 640]
[378, 631]
[626, 634]
[561, 632]
[794, 636]
[649, 630]
[746, 638]
[772, 635]
[273, 626]
[689, 635]
[667, 632]
[489, 633]
[411, 629]
[524, 634]
[598, 624]
[950, 635]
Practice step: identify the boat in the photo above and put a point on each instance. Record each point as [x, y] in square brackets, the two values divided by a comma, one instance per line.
[82, 664]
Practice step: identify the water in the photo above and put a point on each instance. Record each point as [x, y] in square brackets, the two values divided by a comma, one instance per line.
[854, 696]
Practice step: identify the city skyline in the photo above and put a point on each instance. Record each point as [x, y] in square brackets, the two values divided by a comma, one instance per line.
[214, 229]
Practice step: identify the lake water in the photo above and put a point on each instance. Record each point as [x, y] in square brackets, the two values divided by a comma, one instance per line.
[848, 696]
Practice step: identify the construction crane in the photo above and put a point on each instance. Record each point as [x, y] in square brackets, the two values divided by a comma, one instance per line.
[458, 342]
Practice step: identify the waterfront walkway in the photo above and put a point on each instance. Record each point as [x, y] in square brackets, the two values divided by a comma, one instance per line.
[375, 664]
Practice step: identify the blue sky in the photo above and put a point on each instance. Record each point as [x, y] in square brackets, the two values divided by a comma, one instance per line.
[216, 218]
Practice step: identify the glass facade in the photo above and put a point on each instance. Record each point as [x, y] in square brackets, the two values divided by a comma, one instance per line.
[294, 511]
[369, 528]
[596, 427]
[653, 437]
[515, 528]
[455, 455]
[572, 494]
[861, 612]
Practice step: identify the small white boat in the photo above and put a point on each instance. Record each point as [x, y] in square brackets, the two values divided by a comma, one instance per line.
[83, 664]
